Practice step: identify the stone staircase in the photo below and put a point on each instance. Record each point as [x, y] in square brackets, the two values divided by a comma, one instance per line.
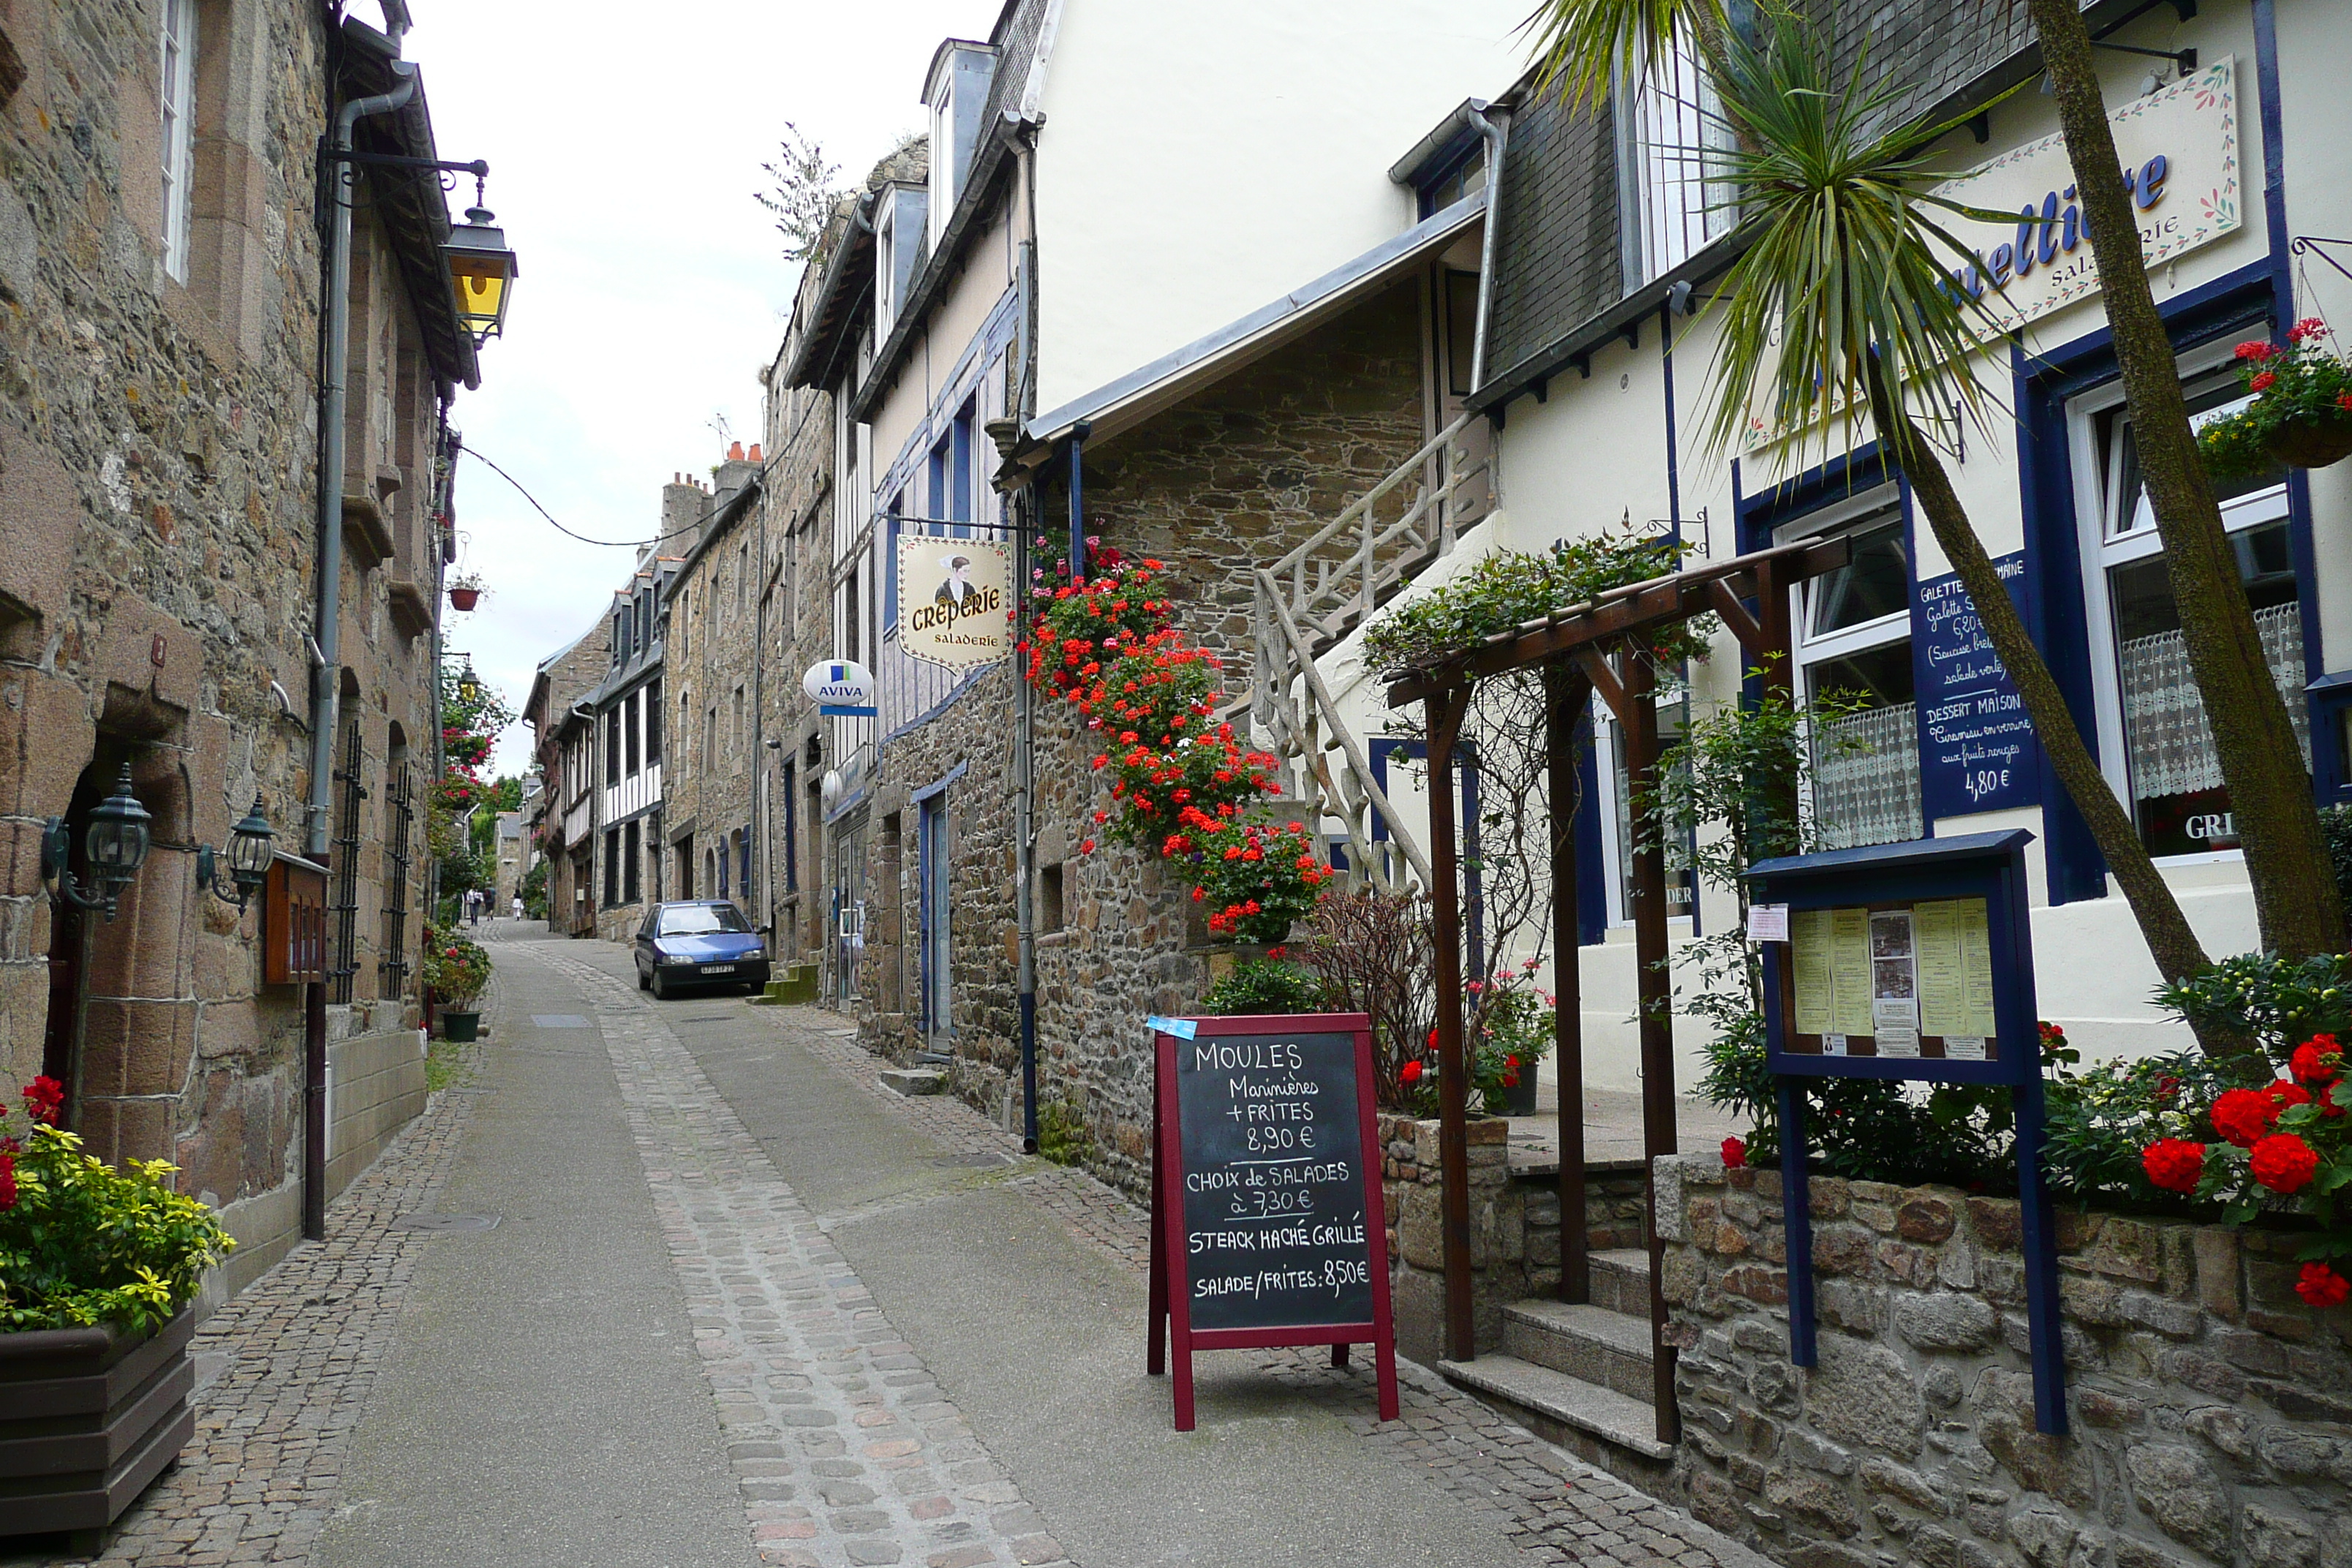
[1581, 1376]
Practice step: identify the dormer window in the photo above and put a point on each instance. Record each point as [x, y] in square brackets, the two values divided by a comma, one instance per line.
[1671, 136]
[956, 92]
[900, 239]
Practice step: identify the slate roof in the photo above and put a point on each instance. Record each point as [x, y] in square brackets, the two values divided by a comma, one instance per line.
[1558, 283]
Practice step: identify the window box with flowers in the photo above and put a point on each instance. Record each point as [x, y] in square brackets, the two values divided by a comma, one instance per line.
[2300, 410]
[99, 1268]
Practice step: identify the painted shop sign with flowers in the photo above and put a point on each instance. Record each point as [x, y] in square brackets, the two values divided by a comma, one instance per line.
[2179, 152]
[1911, 962]
[955, 600]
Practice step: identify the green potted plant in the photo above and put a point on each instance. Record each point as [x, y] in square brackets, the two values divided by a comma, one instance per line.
[99, 1266]
[458, 971]
[2301, 411]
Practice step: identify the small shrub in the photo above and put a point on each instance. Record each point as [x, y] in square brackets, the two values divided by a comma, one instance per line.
[458, 970]
[1265, 985]
[2273, 1003]
[83, 1243]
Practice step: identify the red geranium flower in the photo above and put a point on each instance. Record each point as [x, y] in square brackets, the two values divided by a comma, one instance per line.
[1735, 1153]
[43, 1096]
[2243, 1116]
[2284, 1163]
[2174, 1164]
[2263, 382]
[7, 1182]
[2319, 1285]
[1411, 1071]
[2318, 1060]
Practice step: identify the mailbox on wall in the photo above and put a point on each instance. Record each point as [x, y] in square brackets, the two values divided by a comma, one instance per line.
[294, 922]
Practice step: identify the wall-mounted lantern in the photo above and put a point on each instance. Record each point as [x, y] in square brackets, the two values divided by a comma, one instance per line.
[251, 848]
[115, 847]
[483, 271]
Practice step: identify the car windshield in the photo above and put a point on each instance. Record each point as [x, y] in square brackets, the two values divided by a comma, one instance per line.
[701, 920]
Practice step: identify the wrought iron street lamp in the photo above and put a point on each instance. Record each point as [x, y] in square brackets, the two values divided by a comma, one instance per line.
[251, 847]
[483, 271]
[115, 846]
[469, 685]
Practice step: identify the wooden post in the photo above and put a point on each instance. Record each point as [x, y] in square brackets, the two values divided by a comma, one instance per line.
[1565, 698]
[1654, 994]
[1445, 711]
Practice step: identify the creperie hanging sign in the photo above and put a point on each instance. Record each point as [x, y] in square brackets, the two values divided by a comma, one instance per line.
[2179, 152]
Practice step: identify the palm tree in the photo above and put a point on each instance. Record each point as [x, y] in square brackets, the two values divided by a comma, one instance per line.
[2296, 900]
[1841, 302]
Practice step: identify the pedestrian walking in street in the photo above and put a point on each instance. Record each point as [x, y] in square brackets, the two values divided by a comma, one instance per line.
[518, 906]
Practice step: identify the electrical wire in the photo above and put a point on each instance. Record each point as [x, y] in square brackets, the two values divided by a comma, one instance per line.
[707, 514]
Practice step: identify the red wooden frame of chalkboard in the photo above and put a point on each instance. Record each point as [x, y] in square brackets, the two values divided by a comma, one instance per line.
[1171, 1312]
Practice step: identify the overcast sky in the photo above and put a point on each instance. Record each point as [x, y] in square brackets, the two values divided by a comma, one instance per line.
[625, 144]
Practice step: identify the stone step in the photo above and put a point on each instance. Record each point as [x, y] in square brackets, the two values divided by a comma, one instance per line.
[1620, 1280]
[1593, 1344]
[1569, 1402]
[913, 1080]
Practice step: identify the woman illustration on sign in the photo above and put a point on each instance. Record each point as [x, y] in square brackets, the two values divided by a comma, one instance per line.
[958, 590]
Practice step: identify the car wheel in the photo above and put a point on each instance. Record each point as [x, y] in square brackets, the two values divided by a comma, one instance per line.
[661, 987]
[644, 980]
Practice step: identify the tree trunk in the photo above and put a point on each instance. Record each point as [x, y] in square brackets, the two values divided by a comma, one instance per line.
[2171, 942]
[2295, 896]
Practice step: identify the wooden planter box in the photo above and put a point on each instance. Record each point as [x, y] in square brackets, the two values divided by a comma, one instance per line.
[87, 1419]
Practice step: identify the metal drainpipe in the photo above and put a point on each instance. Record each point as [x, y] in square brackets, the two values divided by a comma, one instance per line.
[326, 689]
[1498, 138]
[1024, 765]
[326, 676]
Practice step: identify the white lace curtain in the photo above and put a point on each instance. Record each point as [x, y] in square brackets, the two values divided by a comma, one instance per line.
[1866, 778]
[2171, 745]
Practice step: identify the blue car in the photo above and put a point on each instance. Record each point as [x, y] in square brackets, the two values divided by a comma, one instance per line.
[705, 942]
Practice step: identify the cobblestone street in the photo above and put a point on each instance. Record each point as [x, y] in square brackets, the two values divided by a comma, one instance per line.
[907, 1345]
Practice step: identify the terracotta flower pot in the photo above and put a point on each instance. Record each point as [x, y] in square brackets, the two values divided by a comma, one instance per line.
[465, 598]
[2312, 443]
[88, 1418]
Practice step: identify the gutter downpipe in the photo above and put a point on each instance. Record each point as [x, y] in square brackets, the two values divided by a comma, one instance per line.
[1498, 138]
[1025, 799]
[326, 675]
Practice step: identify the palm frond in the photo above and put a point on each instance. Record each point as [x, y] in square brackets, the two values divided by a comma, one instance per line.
[1849, 258]
[1582, 46]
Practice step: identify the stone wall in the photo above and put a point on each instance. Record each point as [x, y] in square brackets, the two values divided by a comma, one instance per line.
[158, 550]
[1514, 1226]
[2211, 1409]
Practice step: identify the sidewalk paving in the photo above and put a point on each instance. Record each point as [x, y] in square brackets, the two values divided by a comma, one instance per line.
[744, 1306]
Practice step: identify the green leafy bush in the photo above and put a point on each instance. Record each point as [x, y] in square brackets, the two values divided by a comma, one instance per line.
[83, 1243]
[2274, 1004]
[1508, 589]
[1265, 985]
[458, 970]
[2336, 823]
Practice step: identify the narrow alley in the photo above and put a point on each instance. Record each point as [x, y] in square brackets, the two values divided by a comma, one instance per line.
[690, 1288]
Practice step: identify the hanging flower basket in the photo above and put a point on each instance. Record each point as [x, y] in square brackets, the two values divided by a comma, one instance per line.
[465, 595]
[2301, 415]
[2312, 442]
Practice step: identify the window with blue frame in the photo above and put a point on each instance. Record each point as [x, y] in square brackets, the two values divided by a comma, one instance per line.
[1852, 635]
[2155, 737]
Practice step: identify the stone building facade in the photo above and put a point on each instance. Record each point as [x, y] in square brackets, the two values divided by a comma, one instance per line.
[159, 470]
[626, 743]
[710, 611]
[565, 829]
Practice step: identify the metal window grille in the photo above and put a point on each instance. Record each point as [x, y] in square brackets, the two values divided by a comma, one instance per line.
[345, 905]
[400, 797]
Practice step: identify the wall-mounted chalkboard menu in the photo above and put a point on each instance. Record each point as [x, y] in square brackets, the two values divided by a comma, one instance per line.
[1266, 1223]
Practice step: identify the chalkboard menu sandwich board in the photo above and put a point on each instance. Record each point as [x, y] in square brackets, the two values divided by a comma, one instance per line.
[1266, 1222]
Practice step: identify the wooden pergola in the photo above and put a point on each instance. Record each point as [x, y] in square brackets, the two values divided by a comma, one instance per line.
[1587, 648]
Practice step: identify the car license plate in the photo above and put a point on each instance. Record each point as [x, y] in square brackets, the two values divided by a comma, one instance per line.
[718, 969]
